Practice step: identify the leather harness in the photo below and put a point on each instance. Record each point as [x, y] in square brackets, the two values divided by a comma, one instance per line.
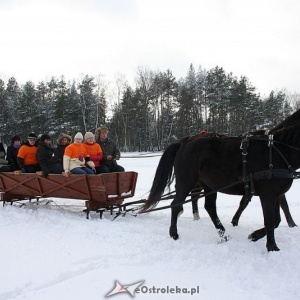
[249, 179]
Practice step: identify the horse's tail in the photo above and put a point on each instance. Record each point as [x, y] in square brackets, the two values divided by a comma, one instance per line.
[163, 176]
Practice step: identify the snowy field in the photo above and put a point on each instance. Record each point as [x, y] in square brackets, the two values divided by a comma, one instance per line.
[53, 252]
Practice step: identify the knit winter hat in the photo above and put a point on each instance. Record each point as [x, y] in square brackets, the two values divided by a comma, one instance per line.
[78, 135]
[45, 137]
[88, 135]
[32, 136]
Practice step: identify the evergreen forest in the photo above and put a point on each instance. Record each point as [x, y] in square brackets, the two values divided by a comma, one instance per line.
[158, 110]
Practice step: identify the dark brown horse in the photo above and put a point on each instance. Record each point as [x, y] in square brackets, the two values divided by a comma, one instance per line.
[243, 203]
[289, 121]
[216, 165]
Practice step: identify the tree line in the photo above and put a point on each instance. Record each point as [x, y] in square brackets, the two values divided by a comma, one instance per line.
[156, 111]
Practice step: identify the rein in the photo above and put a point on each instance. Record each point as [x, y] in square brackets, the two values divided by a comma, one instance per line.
[192, 194]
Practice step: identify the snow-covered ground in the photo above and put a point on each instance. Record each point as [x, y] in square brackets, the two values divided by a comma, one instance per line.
[54, 252]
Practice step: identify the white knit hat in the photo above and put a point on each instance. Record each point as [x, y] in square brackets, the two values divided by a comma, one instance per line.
[88, 135]
[78, 135]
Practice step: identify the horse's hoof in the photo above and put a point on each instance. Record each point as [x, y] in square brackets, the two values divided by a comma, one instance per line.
[196, 216]
[251, 238]
[173, 233]
[257, 235]
[224, 237]
[175, 237]
[273, 248]
[292, 224]
[235, 222]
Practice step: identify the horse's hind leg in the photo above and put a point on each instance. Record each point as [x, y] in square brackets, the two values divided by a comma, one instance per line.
[195, 208]
[242, 206]
[174, 216]
[195, 199]
[285, 208]
[210, 206]
[176, 210]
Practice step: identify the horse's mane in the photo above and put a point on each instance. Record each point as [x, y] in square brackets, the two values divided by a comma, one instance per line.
[200, 136]
[289, 134]
[290, 120]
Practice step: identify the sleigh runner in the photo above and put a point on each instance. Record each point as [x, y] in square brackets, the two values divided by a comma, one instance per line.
[101, 192]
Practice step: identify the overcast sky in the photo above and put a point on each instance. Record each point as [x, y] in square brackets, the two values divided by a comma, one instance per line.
[256, 38]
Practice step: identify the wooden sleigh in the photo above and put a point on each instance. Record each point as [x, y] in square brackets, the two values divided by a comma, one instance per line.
[101, 192]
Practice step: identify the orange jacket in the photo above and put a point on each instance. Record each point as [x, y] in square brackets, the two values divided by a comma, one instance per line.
[95, 152]
[74, 156]
[28, 154]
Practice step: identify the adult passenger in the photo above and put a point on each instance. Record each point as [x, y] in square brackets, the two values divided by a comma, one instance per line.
[76, 157]
[27, 155]
[12, 153]
[94, 151]
[110, 151]
[63, 141]
[46, 159]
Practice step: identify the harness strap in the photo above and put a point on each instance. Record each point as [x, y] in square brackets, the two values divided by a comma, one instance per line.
[244, 146]
[267, 174]
[270, 145]
[291, 169]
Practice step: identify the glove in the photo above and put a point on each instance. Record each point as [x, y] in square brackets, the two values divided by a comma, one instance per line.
[45, 174]
[91, 164]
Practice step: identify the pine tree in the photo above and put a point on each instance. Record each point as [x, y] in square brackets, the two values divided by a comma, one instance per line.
[27, 108]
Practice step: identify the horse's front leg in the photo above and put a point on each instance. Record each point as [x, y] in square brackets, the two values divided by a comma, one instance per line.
[271, 220]
[210, 206]
[242, 206]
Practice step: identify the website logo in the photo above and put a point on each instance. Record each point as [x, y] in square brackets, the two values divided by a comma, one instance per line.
[119, 288]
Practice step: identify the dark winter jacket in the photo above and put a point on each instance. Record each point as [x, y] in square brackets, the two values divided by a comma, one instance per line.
[59, 153]
[109, 148]
[46, 159]
[11, 157]
[60, 148]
